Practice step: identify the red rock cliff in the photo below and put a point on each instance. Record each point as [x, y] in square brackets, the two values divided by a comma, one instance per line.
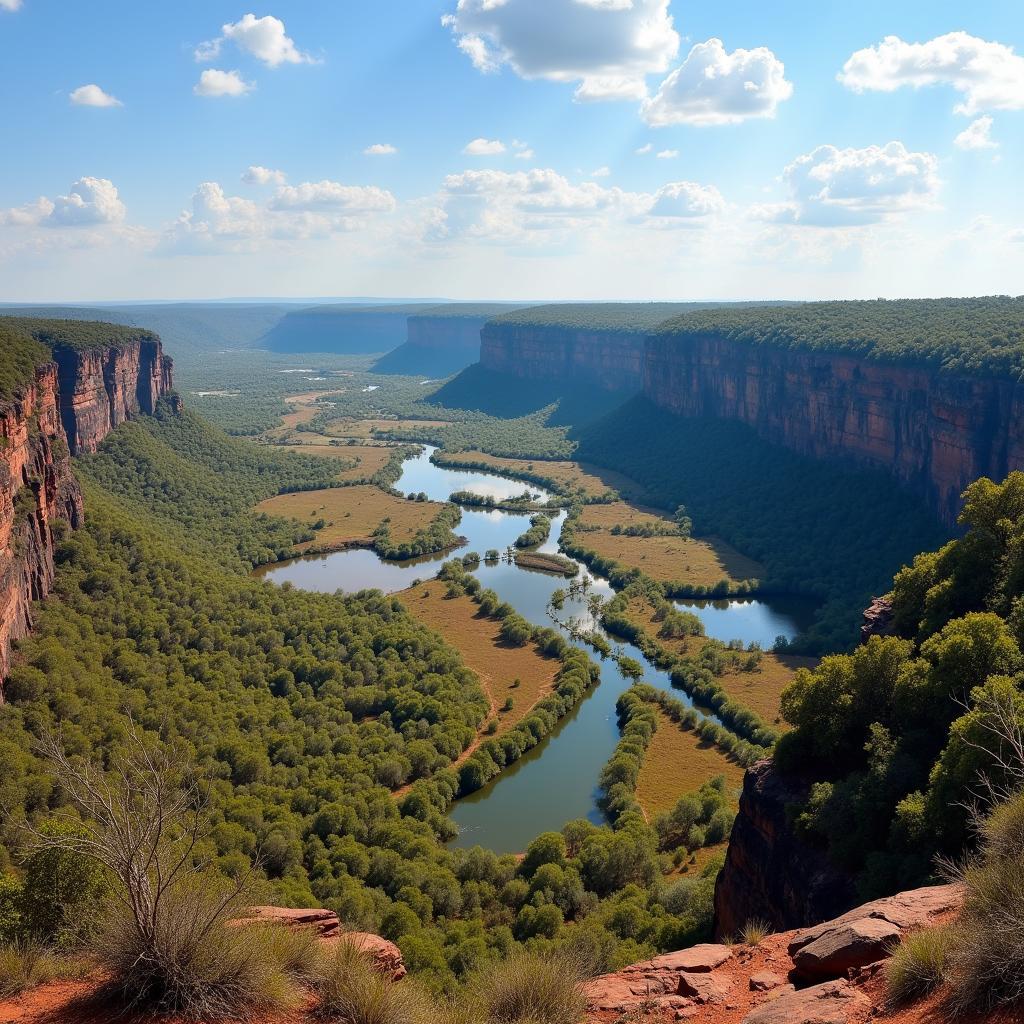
[102, 388]
[70, 406]
[611, 359]
[37, 490]
[934, 432]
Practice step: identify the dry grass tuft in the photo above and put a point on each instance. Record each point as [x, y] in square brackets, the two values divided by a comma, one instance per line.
[528, 989]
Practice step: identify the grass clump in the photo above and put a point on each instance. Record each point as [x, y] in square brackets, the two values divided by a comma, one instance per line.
[918, 965]
[528, 989]
[754, 932]
[23, 965]
[351, 991]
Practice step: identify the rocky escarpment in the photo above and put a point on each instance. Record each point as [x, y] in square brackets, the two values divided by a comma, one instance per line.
[101, 388]
[936, 432]
[832, 973]
[38, 492]
[769, 873]
[70, 406]
[613, 360]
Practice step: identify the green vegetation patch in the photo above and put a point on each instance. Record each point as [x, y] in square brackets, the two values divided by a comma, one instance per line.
[617, 317]
[20, 354]
[80, 335]
[979, 336]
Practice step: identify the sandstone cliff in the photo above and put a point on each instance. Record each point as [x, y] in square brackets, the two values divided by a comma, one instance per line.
[935, 432]
[436, 346]
[612, 360]
[102, 388]
[769, 873]
[70, 406]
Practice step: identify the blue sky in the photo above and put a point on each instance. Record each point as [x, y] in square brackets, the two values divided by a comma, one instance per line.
[131, 128]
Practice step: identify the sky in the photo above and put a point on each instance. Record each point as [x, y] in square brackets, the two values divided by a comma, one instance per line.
[511, 149]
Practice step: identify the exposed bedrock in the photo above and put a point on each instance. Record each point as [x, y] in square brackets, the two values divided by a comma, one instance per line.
[612, 360]
[935, 432]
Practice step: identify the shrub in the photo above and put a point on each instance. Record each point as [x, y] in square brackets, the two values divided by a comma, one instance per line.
[918, 965]
[352, 992]
[528, 988]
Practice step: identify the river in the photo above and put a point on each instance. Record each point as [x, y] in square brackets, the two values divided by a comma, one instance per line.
[557, 780]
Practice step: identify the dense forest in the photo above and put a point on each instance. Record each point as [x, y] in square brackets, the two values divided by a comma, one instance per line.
[617, 317]
[980, 336]
[900, 734]
[20, 354]
[814, 526]
[306, 712]
[81, 335]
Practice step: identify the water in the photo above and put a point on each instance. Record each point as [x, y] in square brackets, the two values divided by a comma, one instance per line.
[557, 780]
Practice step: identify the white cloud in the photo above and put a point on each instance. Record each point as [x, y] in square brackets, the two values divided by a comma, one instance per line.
[10, 5]
[607, 46]
[989, 75]
[525, 154]
[257, 175]
[686, 199]
[645, 149]
[332, 195]
[90, 201]
[484, 147]
[263, 38]
[380, 149]
[220, 222]
[833, 187]
[601, 172]
[713, 87]
[667, 154]
[977, 135]
[93, 96]
[213, 82]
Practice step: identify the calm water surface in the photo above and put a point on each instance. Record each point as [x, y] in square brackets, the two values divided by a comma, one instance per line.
[557, 780]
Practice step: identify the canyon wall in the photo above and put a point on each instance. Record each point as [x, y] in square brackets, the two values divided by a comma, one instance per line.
[769, 873]
[611, 360]
[102, 388]
[70, 406]
[437, 346]
[935, 432]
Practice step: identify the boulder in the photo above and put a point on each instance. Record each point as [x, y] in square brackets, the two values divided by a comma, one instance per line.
[834, 1002]
[846, 946]
[705, 988]
[766, 981]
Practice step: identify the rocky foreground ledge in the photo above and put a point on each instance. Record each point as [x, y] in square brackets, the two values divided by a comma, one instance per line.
[828, 974]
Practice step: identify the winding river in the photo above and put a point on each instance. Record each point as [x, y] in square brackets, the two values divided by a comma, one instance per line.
[557, 780]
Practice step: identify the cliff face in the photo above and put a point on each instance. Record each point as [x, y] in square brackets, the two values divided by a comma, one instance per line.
[770, 874]
[70, 406]
[37, 488]
[437, 346]
[613, 360]
[102, 388]
[934, 432]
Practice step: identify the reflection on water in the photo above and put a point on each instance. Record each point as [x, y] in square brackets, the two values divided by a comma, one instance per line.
[557, 780]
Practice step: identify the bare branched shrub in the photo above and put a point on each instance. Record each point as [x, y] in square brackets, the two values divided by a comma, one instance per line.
[165, 940]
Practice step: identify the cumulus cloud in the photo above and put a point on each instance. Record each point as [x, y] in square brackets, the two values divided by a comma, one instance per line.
[484, 147]
[977, 135]
[686, 199]
[713, 87]
[833, 187]
[10, 5]
[263, 38]
[89, 202]
[608, 47]
[380, 149]
[667, 154]
[213, 82]
[332, 195]
[644, 149]
[257, 175]
[989, 75]
[601, 172]
[217, 221]
[93, 96]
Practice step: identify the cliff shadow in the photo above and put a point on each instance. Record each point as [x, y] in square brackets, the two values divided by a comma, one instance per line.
[507, 396]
